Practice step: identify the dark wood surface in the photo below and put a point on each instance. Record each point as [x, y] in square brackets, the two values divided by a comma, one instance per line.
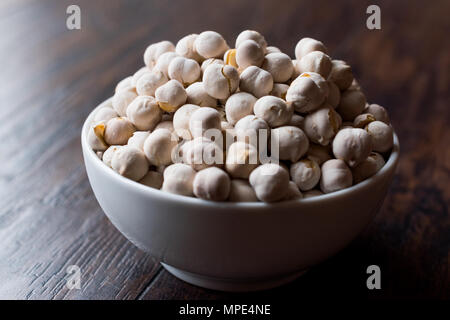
[51, 78]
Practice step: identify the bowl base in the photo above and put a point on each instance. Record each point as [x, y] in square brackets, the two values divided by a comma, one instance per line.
[232, 285]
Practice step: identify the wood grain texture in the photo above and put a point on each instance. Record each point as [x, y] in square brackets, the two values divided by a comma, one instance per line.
[52, 78]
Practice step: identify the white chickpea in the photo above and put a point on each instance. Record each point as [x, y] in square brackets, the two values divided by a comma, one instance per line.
[249, 129]
[279, 90]
[351, 104]
[152, 179]
[256, 81]
[179, 179]
[279, 65]
[353, 145]
[242, 158]
[371, 165]
[249, 53]
[307, 45]
[238, 106]
[305, 173]
[210, 61]
[241, 191]
[362, 120]
[130, 162]
[322, 125]
[341, 74]
[138, 74]
[312, 193]
[96, 136]
[149, 82]
[185, 48]
[334, 94]
[196, 94]
[144, 113]
[378, 112]
[297, 121]
[319, 153]
[181, 120]
[229, 57]
[251, 35]
[201, 153]
[270, 182]
[204, 119]
[105, 114]
[220, 81]
[307, 92]
[118, 131]
[124, 84]
[315, 61]
[381, 135]
[185, 70]
[138, 138]
[335, 175]
[122, 99]
[291, 141]
[158, 147]
[170, 96]
[168, 125]
[210, 44]
[108, 154]
[273, 110]
[154, 51]
[293, 193]
[212, 184]
[164, 61]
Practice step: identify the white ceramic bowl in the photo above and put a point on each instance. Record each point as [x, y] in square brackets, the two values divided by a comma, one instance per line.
[235, 246]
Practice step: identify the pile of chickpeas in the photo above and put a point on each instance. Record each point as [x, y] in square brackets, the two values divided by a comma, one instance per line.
[241, 124]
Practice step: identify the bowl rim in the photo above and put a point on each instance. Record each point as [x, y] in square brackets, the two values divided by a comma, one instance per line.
[185, 200]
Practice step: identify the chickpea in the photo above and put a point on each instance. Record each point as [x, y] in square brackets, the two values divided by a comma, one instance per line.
[251, 35]
[381, 135]
[341, 74]
[122, 99]
[242, 158]
[105, 114]
[96, 137]
[152, 179]
[149, 82]
[249, 53]
[272, 49]
[315, 61]
[322, 125]
[181, 120]
[125, 83]
[307, 45]
[179, 179]
[297, 121]
[229, 58]
[334, 94]
[108, 155]
[204, 119]
[305, 173]
[292, 142]
[352, 145]
[144, 113]
[158, 147]
[185, 48]
[201, 153]
[256, 81]
[238, 106]
[371, 165]
[210, 44]
[362, 120]
[138, 74]
[241, 191]
[270, 182]
[164, 61]
[118, 131]
[154, 51]
[378, 112]
[212, 184]
[220, 81]
[273, 110]
[279, 65]
[279, 90]
[196, 94]
[170, 96]
[293, 193]
[138, 138]
[307, 92]
[210, 61]
[130, 162]
[335, 176]
[319, 153]
[352, 104]
[184, 70]
[249, 129]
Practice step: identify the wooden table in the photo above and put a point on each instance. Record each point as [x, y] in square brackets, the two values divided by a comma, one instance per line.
[51, 78]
